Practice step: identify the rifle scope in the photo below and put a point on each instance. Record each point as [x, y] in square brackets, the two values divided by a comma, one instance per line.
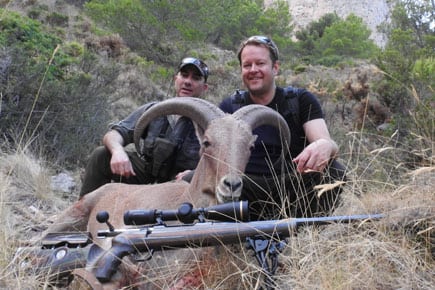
[231, 211]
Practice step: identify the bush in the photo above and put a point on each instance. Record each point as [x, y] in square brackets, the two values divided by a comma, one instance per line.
[307, 37]
[329, 60]
[51, 91]
[407, 62]
[57, 19]
[146, 26]
[349, 37]
[330, 40]
[300, 69]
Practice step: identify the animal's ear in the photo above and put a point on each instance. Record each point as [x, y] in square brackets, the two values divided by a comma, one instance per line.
[199, 131]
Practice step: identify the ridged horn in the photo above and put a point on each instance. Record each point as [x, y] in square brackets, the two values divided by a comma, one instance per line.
[198, 110]
[258, 115]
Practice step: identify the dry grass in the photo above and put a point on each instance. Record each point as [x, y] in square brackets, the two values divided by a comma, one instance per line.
[26, 204]
[394, 253]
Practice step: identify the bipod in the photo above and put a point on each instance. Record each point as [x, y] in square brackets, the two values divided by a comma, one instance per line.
[266, 253]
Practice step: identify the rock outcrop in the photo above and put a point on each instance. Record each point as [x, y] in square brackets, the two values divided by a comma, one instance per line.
[373, 12]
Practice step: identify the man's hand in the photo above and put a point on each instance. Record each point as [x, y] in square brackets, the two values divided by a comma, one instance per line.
[322, 148]
[315, 157]
[120, 164]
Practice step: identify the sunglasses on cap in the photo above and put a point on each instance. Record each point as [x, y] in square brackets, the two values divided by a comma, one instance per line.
[260, 39]
[199, 64]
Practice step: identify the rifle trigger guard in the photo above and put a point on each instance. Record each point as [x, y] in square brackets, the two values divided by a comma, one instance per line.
[142, 258]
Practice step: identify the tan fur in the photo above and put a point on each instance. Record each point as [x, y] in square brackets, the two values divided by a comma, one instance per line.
[220, 162]
[225, 150]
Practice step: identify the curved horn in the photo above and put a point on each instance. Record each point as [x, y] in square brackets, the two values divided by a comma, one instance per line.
[198, 110]
[258, 115]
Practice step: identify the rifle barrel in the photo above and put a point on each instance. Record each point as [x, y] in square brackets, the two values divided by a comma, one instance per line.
[204, 234]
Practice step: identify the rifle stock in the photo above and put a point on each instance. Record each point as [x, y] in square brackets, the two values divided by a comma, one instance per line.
[155, 238]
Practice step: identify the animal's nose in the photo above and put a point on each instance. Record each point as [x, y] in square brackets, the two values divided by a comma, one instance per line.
[233, 184]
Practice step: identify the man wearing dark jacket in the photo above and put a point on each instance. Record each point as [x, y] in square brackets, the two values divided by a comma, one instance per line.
[170, 143]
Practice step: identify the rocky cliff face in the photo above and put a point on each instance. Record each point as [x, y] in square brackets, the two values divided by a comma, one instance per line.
[373, 12]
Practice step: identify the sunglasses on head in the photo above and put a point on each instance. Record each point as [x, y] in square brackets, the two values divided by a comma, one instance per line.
[199, 63]
[260, 39]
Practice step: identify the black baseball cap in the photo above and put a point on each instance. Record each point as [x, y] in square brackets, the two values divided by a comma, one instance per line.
[199, 64]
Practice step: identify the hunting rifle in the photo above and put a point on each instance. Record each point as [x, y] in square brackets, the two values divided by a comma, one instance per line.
[221, 224]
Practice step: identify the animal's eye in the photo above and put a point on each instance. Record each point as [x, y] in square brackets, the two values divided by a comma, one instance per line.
[206, 143]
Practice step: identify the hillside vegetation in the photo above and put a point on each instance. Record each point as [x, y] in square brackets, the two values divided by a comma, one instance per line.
[69, 68]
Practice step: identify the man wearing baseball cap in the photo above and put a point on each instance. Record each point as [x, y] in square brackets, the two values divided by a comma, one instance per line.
[201, 67]
[118, 160]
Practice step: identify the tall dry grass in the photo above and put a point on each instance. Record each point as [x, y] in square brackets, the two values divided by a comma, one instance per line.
[26, 204]
[396, 252]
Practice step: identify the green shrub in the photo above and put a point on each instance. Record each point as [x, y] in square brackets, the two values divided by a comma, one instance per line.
[330, 40]
[308, 36]
[424, 70]
[349, 37]
[329, 60]
[54, 92]
[161, 73]
[147, 25]
[74, 49]
[34, 13]
[300, 69]
[57, 19]
[407, 61]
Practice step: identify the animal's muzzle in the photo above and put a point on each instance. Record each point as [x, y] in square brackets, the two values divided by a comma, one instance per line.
[229, 189]
[233, 185]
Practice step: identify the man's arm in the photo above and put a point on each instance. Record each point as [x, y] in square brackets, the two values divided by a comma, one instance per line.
[119, 163]
[320, 150]
[120, 134]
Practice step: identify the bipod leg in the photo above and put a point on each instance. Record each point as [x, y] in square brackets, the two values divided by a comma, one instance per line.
[266, 253]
